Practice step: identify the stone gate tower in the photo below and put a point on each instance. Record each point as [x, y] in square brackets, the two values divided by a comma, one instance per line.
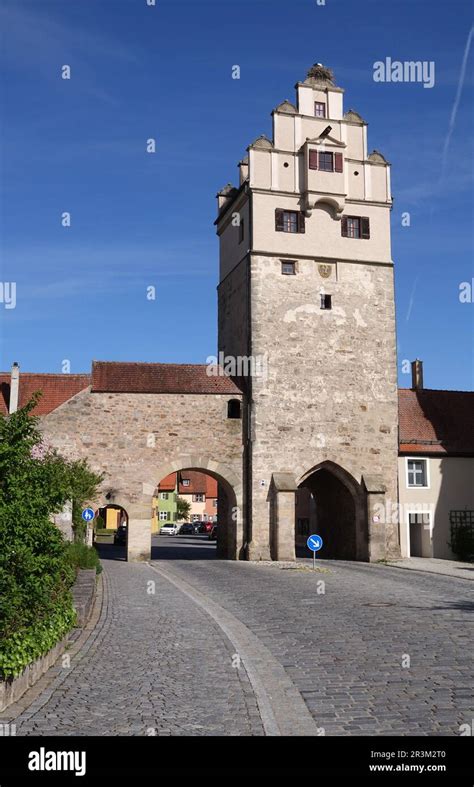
[306, 288]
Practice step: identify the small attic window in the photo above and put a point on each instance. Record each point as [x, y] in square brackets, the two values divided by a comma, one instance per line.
[319, 109]
[233, 408]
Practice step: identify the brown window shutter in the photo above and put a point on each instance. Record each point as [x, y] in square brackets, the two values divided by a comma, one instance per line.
[344, 226]
[301, 222]
[279, 220]
[338, 162]
[313, 159]
[365, 228]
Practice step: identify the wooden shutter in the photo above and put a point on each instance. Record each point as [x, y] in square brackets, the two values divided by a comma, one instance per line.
[338, 162]
[301, 222]
[279, 220]
[313, 159]
[344, 226]
[365, 228]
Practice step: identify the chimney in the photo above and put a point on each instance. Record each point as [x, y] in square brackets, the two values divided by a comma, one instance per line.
[14, 388]
[417, 375]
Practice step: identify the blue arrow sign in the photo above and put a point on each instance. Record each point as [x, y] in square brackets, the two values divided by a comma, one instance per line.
[314, 543]
[88, 514]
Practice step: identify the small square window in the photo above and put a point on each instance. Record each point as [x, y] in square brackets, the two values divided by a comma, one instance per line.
[185, 482]
[416, 472]
[326, 301]
[320, 109]
[288, 268]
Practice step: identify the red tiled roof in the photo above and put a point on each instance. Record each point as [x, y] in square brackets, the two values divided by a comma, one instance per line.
[436, 422]
[120, 377]
[211, 486]
[56, 389]
[168, 483]
[199, 483]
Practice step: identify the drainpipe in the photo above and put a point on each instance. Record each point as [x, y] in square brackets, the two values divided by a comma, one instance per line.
[14, 388]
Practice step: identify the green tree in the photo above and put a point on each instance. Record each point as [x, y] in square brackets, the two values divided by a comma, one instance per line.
[35, 573]
[183, 509]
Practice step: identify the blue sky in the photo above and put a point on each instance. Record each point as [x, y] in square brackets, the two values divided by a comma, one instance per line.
[142, 220]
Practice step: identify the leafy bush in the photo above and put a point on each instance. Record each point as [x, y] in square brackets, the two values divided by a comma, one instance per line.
[29, 643]
[462, 541]
[83, 556]
[35, 572]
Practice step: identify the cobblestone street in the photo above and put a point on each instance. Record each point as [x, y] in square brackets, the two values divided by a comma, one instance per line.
[166, 661]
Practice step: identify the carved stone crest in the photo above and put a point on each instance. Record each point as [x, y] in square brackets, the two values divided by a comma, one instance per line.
[325, 270]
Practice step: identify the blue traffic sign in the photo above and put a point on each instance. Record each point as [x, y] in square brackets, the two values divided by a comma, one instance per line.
[315, 543]
[88, 514]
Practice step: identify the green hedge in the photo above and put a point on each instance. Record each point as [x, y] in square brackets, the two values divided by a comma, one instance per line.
[82, 556]
[28, 644]
[462, 541]
[37, 566]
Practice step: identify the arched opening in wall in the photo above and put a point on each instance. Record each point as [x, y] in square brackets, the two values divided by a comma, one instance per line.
[330, 503]
[193, 512]
[111, 531]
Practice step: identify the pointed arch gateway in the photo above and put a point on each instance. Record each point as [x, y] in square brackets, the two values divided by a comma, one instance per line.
[336, 508]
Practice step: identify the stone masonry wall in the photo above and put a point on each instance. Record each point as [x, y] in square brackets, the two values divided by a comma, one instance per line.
[136, 439]
[331, 391]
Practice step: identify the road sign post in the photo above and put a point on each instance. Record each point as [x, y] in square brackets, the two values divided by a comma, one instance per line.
[314, 543]
[88, 514]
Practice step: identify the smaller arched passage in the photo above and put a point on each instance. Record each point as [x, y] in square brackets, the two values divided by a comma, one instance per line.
[336, 510]
[111, 531]
[229, 525]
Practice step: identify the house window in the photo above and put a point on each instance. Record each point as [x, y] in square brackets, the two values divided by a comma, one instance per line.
[320, 109]
[164, 516]
[417, 473]
[164, 495]
[289, 221]
[233, 408]
[326, 162]
[326, 301]
[214, 502]
[185, 482]
[196, 517]
[288, 268]
[241, 230]
[355, 227]
[199, 498]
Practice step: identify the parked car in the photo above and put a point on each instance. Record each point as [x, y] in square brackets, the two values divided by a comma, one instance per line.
[213, 534]
[120, 536]
[169, 530]
[205, 527]
[187, 529]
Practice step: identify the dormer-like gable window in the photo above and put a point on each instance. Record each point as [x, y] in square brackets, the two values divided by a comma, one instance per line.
[325, 161]
[320, 109]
